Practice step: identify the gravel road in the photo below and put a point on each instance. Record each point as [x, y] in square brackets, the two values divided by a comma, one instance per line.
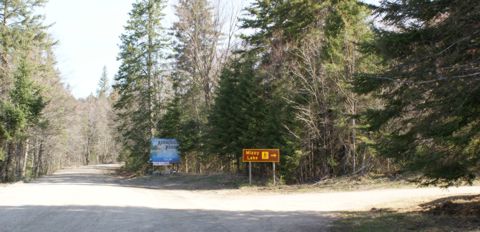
[86, 199]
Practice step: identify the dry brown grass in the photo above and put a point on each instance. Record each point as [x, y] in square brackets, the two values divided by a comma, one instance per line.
[350, 183]
[457, 213]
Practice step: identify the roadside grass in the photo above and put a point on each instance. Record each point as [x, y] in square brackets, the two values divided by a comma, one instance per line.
[348, 183]
[217, 181]
[240, 182]
[457, 213]
[183, 181]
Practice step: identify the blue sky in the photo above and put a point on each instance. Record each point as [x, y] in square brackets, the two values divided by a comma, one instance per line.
[88, 34]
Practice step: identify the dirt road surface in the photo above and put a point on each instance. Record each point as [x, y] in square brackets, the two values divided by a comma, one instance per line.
[87, 199]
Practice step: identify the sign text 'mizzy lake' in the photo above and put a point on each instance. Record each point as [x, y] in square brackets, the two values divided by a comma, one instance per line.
[261, 155]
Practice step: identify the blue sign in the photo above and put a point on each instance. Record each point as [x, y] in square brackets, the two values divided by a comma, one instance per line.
[164, 152]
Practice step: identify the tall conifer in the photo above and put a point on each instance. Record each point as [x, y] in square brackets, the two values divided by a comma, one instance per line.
[138, 80]
[430, 120]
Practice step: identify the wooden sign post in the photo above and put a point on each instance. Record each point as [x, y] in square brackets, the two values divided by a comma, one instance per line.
[261, 156]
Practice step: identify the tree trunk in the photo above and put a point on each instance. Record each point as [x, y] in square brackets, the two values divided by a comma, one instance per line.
[238, 163]
[5, 163]
[34, 158]
[25, 159]
[87, 152]
[18, 166]
[364, 162]
[354, 138]
[8, 164]
[38, 166]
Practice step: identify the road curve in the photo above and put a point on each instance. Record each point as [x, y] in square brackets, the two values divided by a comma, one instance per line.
[85, 199]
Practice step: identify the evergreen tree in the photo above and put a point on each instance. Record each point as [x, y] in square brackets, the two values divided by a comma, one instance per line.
[196, 48]
[278, 22]
[40, 121]
[234, 122]
[340, 58]
[194, 77]
[20, 26]
[313, 47]
[21, 33]
[277, 26]
[139, 77]
[170, 126]
[430, 119]
[103, 85]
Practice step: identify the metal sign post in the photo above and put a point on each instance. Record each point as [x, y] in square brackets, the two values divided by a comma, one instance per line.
[274, 174]
[250, 172]
[261, 156]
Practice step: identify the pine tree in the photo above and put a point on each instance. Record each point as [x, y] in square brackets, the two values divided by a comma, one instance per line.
[197, 38]
[138, 81]
[230, 122]
[170, 126]
[21, 33]
[429, 87]
[18, 116]
[279, 22]
[194, 77]
[277, 26]
[341, 58]
[17, 21]
[313, 47]
[39, 118]
[103, 85]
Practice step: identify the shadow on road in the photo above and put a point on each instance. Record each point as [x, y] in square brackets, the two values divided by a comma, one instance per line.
[119, 219]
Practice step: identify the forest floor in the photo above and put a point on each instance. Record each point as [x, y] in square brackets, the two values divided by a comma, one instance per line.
[240, 182]
[94, 198]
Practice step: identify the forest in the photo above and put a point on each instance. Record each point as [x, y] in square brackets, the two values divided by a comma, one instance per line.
[341, 87]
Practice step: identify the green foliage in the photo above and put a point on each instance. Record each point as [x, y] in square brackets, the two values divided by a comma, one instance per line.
[236, 121]
[174, 124]
[429, 88]
[25, 107]
[12, 120]
[136, 81]
[310, 52]
[245, 113]
[274, 18]
[170, 124]
[103, 85]
[195, 54]
[22, 37]
[26, 95]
